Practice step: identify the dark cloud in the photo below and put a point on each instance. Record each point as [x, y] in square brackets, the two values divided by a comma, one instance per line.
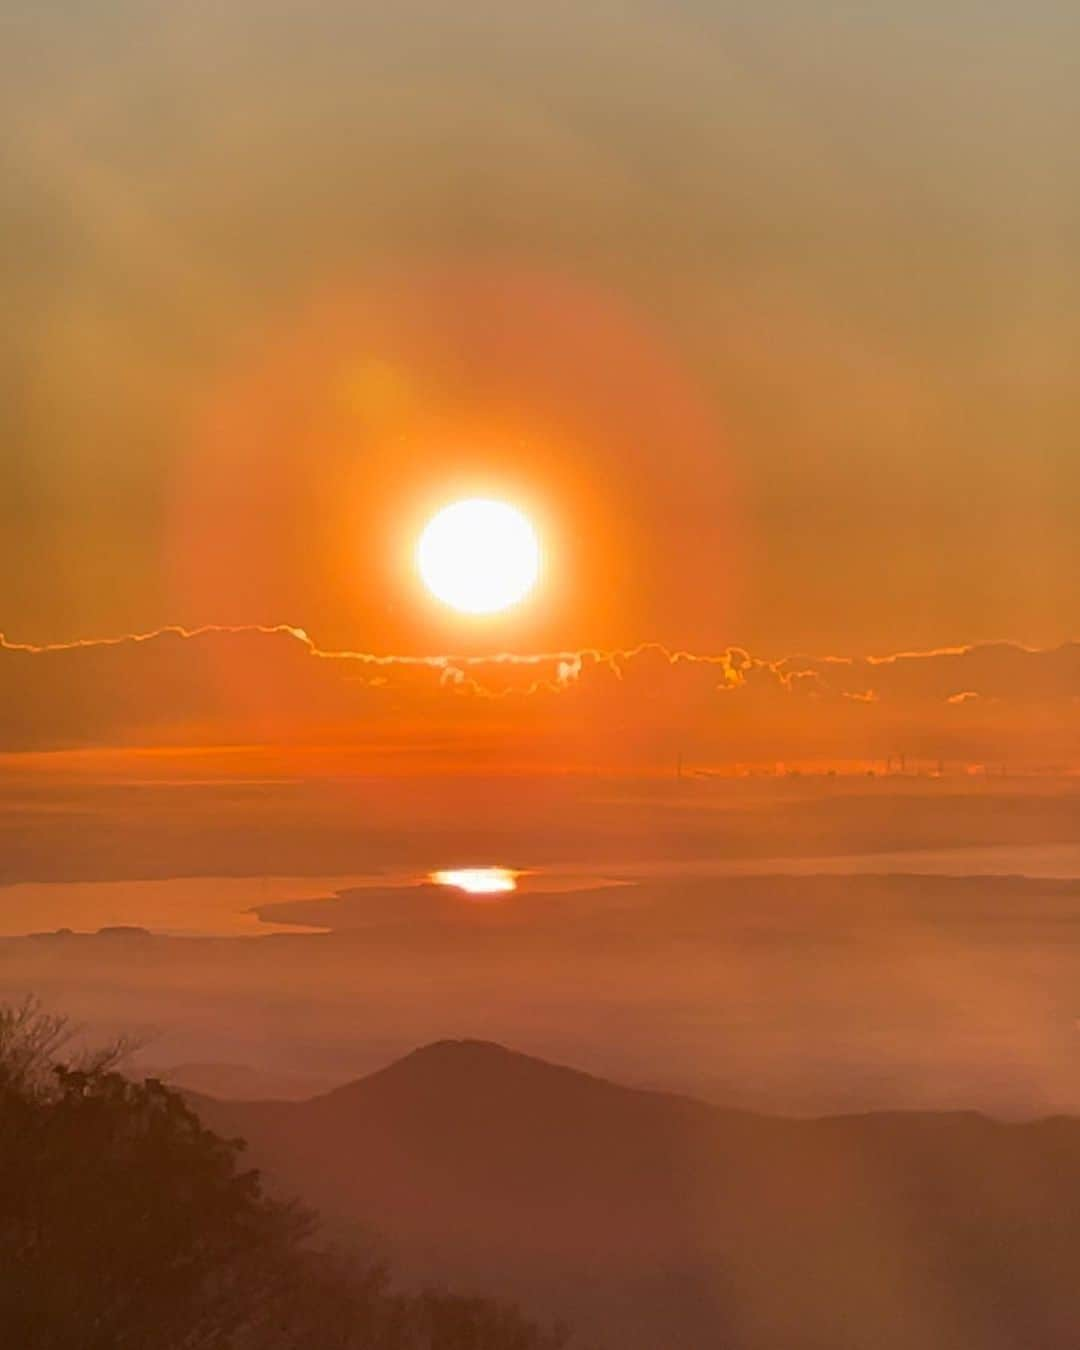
[252, 686]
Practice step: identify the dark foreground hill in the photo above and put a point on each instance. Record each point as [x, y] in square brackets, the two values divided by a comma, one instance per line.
[656, 1221]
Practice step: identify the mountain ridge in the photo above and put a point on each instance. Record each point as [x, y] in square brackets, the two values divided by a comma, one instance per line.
[648, 1219]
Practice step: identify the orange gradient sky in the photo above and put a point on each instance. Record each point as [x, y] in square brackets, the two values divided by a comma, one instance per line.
[767, 362]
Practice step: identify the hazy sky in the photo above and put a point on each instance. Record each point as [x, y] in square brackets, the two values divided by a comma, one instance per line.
[765, 311]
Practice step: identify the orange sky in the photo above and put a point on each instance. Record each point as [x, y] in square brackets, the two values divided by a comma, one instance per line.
[766, 315]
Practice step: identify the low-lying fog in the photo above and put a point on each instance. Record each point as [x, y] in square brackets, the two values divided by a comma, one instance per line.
[808, 951]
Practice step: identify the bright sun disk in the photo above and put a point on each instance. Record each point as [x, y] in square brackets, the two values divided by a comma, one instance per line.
[479, 556]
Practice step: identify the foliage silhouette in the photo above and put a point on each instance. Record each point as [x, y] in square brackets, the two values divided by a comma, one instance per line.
[125, 1224]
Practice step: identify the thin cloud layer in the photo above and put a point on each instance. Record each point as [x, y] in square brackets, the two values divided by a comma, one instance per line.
[637, 708]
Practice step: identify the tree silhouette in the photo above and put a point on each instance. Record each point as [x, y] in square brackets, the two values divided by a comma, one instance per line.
[127, 1225]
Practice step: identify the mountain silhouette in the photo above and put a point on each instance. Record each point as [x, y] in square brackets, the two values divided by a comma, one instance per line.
[655, 1220]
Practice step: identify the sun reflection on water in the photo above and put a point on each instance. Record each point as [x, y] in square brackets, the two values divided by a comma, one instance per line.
[478, 880]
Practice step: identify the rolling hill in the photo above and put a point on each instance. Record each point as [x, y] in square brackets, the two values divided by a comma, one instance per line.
[650, 1220]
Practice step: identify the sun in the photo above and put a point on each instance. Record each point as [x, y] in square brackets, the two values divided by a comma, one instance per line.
[479, 556]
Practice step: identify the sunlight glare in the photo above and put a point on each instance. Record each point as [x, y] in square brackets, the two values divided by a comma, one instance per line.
[478, 880]
[479, 556]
